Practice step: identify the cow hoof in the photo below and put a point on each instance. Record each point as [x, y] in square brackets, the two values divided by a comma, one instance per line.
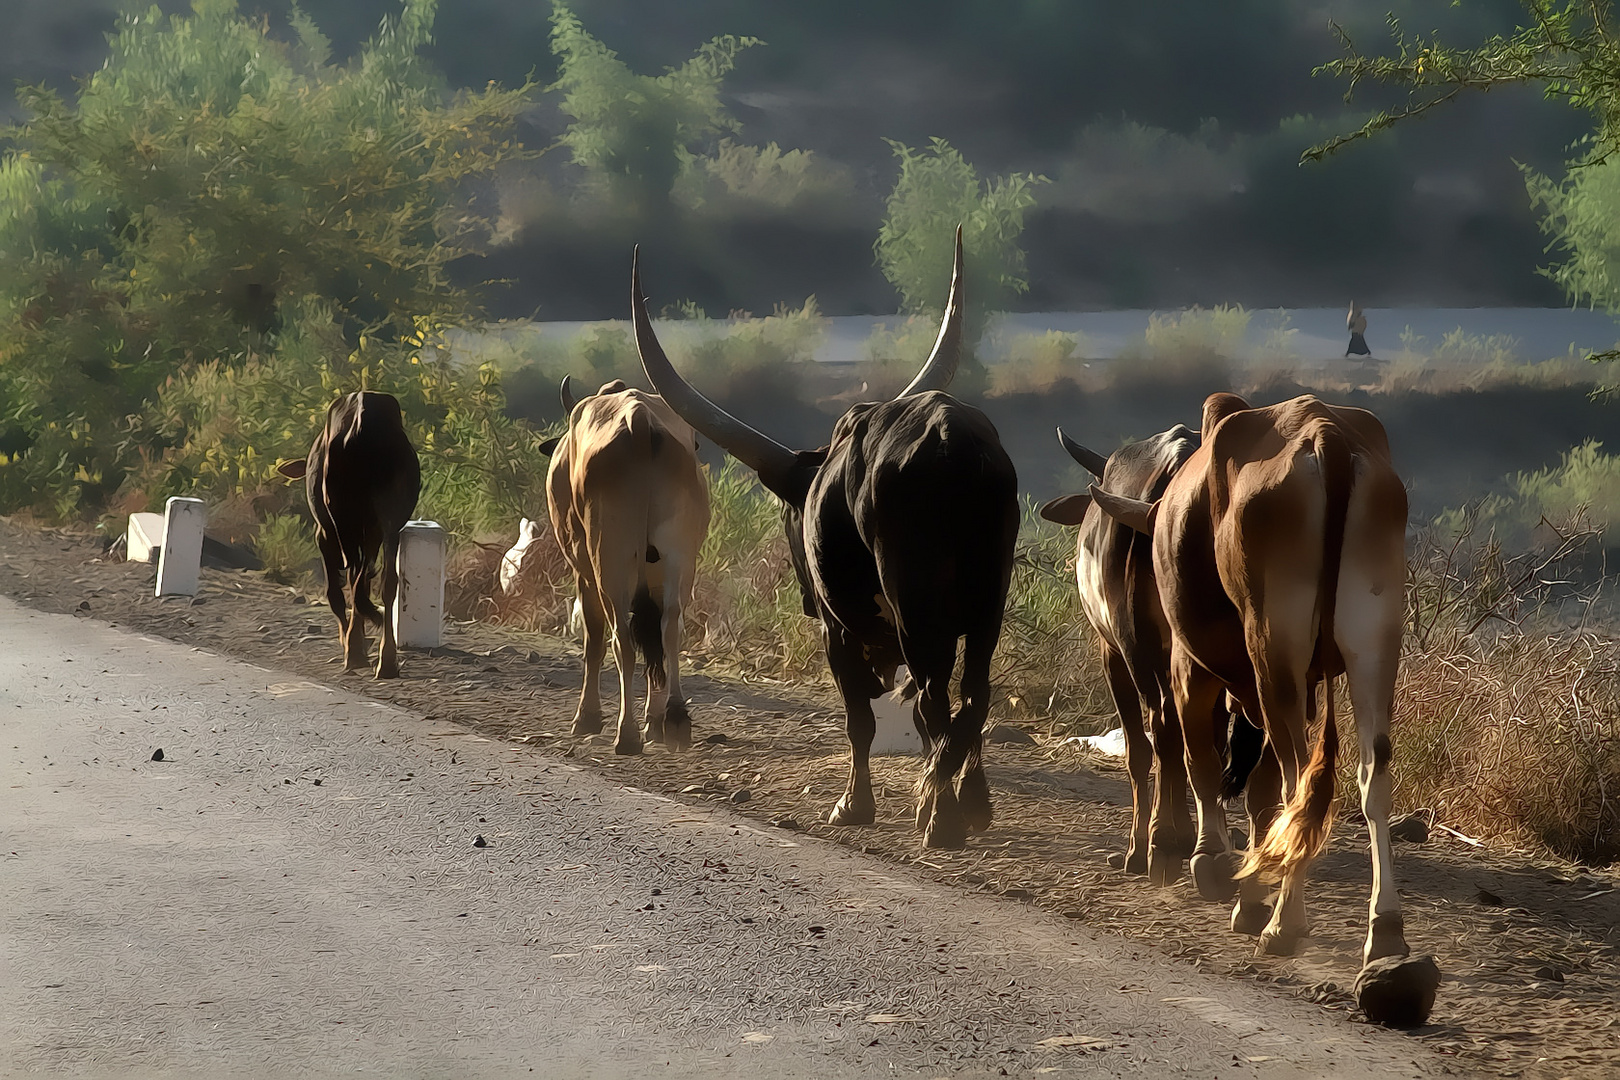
[389, 672]
[1163, 867]
[627, 747]
[678, 736]
[1274, 942]
[945, 834]
[1398, 991]
[1213, 876]
[849, 811]
[584, 726]
[1250, 920]
[1132, 862]
[973, 796]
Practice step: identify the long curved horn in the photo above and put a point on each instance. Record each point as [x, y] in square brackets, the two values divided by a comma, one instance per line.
[1093, 462]
[937, 373]
[566, 393]
[759, 452]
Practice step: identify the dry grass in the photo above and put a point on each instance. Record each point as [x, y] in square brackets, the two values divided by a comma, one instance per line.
[1507, 710]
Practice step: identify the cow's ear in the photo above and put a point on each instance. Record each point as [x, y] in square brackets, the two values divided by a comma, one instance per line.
[293, 470]
[1066, 509]
[1136, 513]
[549, 447]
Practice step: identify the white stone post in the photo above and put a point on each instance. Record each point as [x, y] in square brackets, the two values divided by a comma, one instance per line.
[419, 609]
[896, 734]
[144, 537]
[180, 561]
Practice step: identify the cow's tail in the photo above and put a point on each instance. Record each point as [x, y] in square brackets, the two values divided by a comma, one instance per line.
[1301, 831]
[646, 612]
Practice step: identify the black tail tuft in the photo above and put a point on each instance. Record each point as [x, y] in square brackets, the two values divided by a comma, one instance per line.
[647, 630]
[1243, 754]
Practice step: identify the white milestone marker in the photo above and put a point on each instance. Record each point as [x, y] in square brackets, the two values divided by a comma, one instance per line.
[419, 609]
[896, 734]
[180, 561]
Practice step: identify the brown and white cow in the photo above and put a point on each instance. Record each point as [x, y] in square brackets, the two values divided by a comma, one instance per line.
[1279, 548]
[1119, 594]
[362, 479]
[630, 507]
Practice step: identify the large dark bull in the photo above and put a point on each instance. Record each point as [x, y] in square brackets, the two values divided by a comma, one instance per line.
[362, 478]
[902, 531]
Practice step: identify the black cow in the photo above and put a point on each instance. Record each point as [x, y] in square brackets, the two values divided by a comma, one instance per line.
[902, 532]
[1120, 596]
[363, 479]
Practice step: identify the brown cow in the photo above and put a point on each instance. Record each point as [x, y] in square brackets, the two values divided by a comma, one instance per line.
[362, 479]
[630, 507]
[1279, 548]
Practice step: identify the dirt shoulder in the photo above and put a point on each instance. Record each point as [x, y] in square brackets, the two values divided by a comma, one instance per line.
[1530, 947]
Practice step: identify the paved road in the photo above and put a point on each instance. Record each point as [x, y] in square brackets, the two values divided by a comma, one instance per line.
[295, 890]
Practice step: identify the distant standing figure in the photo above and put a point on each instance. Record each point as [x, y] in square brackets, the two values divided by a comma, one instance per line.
[1356, 323]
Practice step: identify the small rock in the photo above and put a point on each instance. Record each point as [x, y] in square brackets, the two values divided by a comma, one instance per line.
[1018, 894]
[1075, 913]
[1117, 860]
[316, 781]
[1549, 974]
[658, 892]
[299, 600]
[1411, 828]
[818, 930]
[717, 738]
[84, 605]
[1488, 898]
[1398, 991]
[479, 841]
[1006, 734]
[157, 755]
[787, 823]
[741, 795]
[533, 657]
[285, 780]
[692, 789]
[198, 601]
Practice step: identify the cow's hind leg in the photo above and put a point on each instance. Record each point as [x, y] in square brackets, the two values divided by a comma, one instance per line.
[1138, 757]
[855, 685]
[388, 654]
[588, 717]
[1262, 797]
[336, 580]
[354, 636]
[1197, 693]
[972, 788]
[1171, 830]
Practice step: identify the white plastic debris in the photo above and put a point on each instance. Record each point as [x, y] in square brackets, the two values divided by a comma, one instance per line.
[144, 538]
[1111, 743]
[512, 561]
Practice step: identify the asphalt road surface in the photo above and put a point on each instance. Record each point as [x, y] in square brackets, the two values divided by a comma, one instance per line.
[297, 889]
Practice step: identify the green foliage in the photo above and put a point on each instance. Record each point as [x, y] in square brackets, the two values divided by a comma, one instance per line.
[209, 184]
[938, 190]
[638, 131]
[1570, 48]
[1583, 487]
[1035, 362]
[1581, 216]
[286, 546]
[767, 178]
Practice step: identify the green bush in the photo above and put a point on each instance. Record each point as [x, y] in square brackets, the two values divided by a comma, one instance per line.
[287, 547]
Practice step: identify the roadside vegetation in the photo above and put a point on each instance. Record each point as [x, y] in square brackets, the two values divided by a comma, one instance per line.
[225, 230]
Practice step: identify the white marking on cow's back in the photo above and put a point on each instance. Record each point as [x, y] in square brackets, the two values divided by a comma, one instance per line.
[1088, 573]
